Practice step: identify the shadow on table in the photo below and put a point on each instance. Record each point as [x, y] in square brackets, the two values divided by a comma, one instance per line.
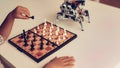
[6, 63]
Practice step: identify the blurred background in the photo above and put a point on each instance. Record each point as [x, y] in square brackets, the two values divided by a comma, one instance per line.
[114, 3]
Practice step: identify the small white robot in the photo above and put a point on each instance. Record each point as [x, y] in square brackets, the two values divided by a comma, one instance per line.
[74, 11]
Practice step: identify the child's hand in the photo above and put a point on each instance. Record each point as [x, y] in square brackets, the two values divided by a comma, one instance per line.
[20, 13]
[61, 62]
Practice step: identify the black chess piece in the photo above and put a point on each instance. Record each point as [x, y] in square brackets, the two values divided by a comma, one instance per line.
[25, 38]
[41, 46]
[32, 17]
[25, 42]
[34, 37]
[32, 46]
[47, 43]
[24, 35]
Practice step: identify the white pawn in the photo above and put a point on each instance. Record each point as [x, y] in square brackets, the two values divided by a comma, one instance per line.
[44, 27]
[57, 31]
[57, 42]
[65, 33]
[45, 22]
[43, 32]
[50, 33]
[64, 37]
[38, 27]
[59, 38]
[35, 31]
[50, 37]
[50, 29]
[52, 26]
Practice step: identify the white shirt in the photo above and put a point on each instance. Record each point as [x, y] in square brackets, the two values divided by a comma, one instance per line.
[1, 39]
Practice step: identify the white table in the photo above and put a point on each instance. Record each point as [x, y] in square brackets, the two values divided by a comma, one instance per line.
[96, 47]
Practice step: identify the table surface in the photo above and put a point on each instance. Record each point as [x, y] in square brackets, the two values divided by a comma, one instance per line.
[96, 47]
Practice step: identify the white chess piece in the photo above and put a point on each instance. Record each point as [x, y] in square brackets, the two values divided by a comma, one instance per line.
[64, 37]
[65, 33]
[44, 27]
[43, 32]
[45, 22]
[38, 27]
[59, 38]
[50, 37]
[35, 31]
[50, 33]
[52, 26]
[57, 42]
[50, 29]
[57, 31]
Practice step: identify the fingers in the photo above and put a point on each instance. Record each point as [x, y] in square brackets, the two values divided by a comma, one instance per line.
[25, 11]
[21, 12]
[64, 57]
[61, 62]
[53, 59]
[69, 66]
[68, 61]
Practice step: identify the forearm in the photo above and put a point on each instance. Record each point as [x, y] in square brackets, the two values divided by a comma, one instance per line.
[65, 0]
[6, 26]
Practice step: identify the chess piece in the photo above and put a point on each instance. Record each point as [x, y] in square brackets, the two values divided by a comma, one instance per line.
[35, 31]
[32, 46]
[25, 38]
[34, 37]
[57, 31]
[65, 33]
[32, 17]
[38, 27]
[41, 45]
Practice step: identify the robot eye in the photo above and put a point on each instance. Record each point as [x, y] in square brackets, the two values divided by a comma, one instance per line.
[68, 7]
[71, 12]
[64, 6]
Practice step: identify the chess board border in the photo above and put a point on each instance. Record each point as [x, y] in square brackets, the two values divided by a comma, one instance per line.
[47, 54]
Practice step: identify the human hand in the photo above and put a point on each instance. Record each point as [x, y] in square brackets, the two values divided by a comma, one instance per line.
[20, 13]
[61, 62]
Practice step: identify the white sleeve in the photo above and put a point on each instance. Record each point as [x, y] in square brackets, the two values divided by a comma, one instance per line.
[1, 39]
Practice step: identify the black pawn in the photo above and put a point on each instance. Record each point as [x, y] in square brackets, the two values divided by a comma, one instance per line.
[32, 17]
[25, 42]
[47, 43]
[41, 46]
[34, 37]
[24, 35]
[32, 46]
[53, 45]
[41, 38]
[25, 38]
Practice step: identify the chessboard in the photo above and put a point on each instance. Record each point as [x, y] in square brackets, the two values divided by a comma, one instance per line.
[42, 40]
